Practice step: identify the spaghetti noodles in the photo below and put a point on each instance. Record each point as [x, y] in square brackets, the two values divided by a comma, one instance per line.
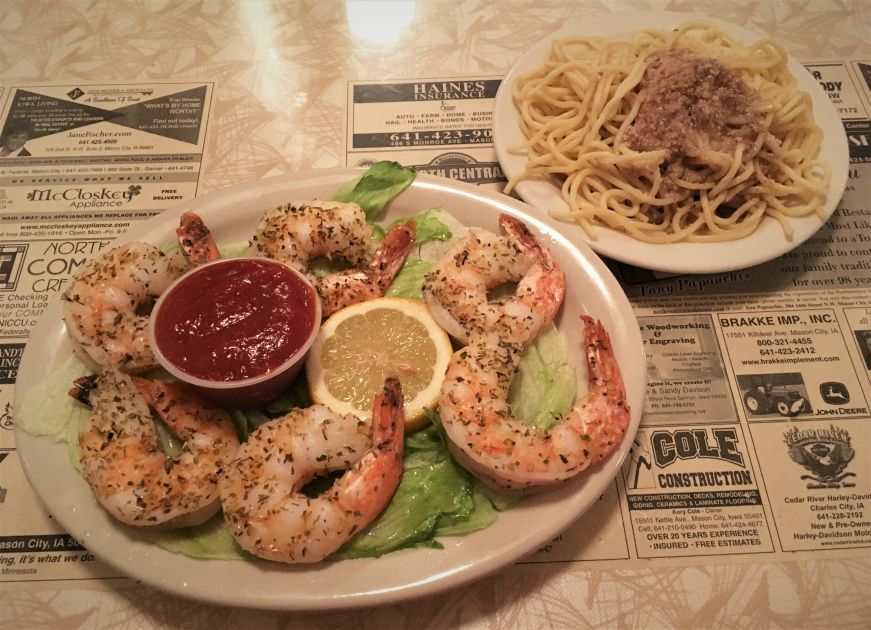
[672, 136]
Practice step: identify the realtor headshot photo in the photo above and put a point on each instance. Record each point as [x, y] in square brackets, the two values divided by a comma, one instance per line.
[13, 140]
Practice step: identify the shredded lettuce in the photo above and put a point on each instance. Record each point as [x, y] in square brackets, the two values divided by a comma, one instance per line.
[170, 247]
[247, 420]
[297, 396]
[240, 421]
[375, 188]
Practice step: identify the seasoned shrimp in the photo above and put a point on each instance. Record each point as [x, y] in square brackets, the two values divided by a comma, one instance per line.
[260, 491]
[297, 233]
[107, 301]
[502, 450]
[121, 459]
[343, 288]
[456, 290]
[196, 239]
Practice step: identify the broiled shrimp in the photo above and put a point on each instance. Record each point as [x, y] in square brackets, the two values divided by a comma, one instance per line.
[343, 288]
[107, 301]
[260, 491]
[496, 447]
[296, 233]
[456, 290]
[121, 459]
[196, 239]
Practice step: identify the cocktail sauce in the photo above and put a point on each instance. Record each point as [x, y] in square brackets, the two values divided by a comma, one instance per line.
[236, 320]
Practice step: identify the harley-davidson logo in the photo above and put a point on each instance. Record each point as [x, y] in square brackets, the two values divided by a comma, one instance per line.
[823, 452]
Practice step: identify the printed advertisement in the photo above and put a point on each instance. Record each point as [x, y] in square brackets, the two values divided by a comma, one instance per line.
[822, 495]
[692, 491]
[441, 127]
[90, 153]
[685, 371]
[792, 363]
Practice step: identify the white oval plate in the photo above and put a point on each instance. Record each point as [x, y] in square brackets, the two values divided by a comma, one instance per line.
[766, 243]
[232, 215]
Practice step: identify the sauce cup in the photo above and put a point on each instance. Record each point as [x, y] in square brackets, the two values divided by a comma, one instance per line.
[237, 330]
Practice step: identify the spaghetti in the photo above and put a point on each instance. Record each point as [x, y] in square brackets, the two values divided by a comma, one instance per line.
[672, 136]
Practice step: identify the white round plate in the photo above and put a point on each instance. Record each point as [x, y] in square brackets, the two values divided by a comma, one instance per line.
[766, 243]
[232, 215]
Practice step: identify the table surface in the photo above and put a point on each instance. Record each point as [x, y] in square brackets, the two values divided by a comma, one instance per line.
[281, 72]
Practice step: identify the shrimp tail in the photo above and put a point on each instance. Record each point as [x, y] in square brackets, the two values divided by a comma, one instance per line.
[388, 415]
[607, 423]
[527, 240]
[370, 485]
[153, 391]
[343, 288]
[600, 357]
[546, 282]
[196, 239]
[82, 388]
[392, 253]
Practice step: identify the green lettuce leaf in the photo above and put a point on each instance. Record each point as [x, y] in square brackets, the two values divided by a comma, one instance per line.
[209, 541]
[426, 494]
[234, 250]
[429, 226]
[408, 283]
[545, 385]
[168, 443]
[482, 515]
[247, 420]
[48, 411]
[375, 188]
[296, 396]
[501, 500]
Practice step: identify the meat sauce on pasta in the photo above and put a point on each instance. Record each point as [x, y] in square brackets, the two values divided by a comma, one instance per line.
[672, 136]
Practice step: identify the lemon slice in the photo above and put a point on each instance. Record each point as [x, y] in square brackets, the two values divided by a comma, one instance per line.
[359, 346]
